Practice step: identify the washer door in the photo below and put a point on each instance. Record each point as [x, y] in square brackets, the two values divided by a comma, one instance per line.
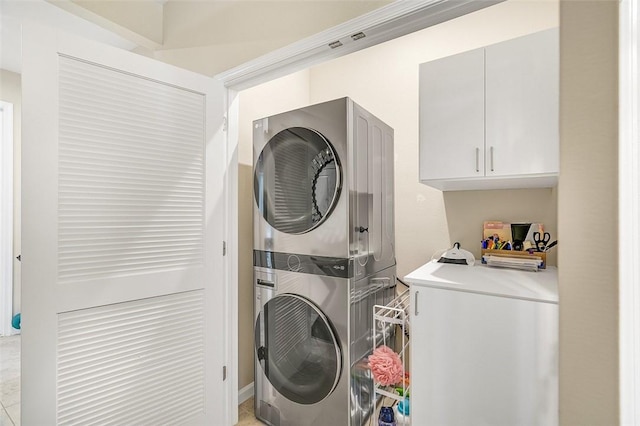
[297, 349]
[297, 180]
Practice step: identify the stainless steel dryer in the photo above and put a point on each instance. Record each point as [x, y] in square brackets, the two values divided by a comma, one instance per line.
[323, 184]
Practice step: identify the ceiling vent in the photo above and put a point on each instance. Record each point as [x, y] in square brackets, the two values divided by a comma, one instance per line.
[358, 36]
[335, 44]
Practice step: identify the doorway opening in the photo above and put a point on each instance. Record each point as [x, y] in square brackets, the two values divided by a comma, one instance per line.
[6, 219]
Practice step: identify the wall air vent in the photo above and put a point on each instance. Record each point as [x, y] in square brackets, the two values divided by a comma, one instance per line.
[335, 44]
[358, 36]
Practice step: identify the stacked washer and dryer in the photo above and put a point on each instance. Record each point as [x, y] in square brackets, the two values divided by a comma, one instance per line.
[324, 255]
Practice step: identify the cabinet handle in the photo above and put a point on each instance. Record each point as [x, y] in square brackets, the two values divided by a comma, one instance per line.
[491, 154]
[477, 159]
[415, 300]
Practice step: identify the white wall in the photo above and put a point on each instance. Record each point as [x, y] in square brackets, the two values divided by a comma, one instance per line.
[384, 80]
[10, 91]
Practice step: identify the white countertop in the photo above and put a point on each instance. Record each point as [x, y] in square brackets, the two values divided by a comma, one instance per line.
[541, 286]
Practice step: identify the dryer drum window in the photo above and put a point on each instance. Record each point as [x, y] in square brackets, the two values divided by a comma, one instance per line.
[297, 180]
[297, 349]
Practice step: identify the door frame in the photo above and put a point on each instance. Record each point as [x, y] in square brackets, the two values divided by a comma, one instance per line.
[629, 210]
[230, 261]
[6, 220]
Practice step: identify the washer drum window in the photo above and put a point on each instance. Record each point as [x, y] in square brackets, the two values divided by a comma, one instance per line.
[297, 349]
[297, 180]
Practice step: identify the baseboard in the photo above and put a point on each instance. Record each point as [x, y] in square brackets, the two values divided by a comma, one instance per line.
[245, 393]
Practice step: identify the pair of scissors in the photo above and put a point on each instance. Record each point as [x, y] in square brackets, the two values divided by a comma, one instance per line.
[541, 243]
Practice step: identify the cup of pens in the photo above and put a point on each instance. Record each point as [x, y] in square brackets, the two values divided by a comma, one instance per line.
[495, 243]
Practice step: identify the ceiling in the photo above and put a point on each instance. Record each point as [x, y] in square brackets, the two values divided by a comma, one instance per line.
[13, 13]
[206, 36]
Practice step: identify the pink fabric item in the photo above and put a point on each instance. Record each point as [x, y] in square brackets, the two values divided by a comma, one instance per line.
[386, 366]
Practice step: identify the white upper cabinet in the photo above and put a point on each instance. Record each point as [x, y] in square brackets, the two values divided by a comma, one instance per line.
[489, 117]
[452, 117]
[522, 105]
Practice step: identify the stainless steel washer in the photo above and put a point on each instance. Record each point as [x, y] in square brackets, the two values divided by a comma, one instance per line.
[312, 336]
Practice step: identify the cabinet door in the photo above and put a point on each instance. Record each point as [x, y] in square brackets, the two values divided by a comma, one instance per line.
[452, 117]
[522, 105]
[484, 360]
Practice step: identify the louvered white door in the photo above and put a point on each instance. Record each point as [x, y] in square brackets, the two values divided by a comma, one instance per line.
[123, 163]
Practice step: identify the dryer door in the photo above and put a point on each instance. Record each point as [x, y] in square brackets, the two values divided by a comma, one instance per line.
[298, 349]
[297, 180]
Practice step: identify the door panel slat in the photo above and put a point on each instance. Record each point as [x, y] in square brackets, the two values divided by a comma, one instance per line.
[132, 356]
[104, 114]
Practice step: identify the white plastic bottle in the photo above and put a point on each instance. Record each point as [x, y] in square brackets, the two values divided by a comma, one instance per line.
[399, 411]
[401, 419]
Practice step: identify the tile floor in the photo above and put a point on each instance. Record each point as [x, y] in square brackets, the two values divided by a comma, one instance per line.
[246, 416]
[10, 381]
[10, 387]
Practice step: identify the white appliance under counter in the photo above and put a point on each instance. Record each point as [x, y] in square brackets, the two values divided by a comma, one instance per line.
[484, 346]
